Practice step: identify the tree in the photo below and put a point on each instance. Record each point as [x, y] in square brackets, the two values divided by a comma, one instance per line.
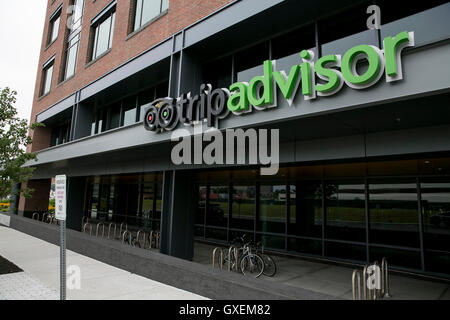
[13, 141]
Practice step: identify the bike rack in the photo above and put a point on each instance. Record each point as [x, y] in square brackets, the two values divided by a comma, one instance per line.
[356, 285]
[109, 230]
[385, 279]
[236, 257]
[34, 215]
[90, 228]
[137, 237]
[158, 234]
[84, 220]
[103, 229]
[123, 237]
[121, 227]
[44, 216]
[214, 257]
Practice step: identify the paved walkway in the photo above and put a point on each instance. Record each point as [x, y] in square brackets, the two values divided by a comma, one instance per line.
[40, 280]
[336, 280]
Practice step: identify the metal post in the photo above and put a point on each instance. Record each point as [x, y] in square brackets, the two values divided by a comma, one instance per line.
[365, 296]
[385, 279]
[376, 291]
[62, 245]
[356, 285]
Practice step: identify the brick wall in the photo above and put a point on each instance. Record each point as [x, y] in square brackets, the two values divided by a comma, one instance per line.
[181, 14]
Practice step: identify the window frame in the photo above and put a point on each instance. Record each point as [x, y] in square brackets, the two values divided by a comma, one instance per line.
[142, 24]
[56, 16]
[108, 13]
[50, 63]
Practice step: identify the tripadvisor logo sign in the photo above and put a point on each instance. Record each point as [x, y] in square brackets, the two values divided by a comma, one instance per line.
[323, 77]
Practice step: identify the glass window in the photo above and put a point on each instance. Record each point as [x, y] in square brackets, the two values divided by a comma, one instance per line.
[103, 34]
[218, 73]
[54, 27]
[77, 14]
[146, 10]
[145, 98]
[293, 42]
[248, 63]
[345, 211]
[71, 56]
[217, 209]
[243, 207]
[305, 210]
[129, 111]
[343, 24]
[200, 218]
[47, 78]
[393, 213]
[272, 208]
[435, 207]
[114, 117]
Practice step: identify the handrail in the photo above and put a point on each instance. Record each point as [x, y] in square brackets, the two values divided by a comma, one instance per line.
[214, 257]
[90, 228]
[34, 215]
[356, 276]
[385, 285]
[109, 230]
[103, 229]
[236, 256]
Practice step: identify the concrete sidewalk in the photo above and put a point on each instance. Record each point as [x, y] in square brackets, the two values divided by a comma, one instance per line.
[40, 262]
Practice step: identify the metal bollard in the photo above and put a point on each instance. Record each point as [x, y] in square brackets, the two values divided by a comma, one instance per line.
[385, 279]
[356, 285]
[214, 257]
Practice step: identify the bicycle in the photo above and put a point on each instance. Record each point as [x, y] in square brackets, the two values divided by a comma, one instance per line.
[131, 240]
[270, 267]
[251, 263]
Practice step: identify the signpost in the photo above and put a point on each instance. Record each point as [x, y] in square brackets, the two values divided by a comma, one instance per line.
[60, 214]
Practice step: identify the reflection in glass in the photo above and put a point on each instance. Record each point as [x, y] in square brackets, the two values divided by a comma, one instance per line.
[436, 223]
[345, 211]
[393, 213]
[217, 212]
[272, 208]
[305, 211]
[243, 208]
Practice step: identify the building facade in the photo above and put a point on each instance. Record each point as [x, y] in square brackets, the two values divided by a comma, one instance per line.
[362, 114]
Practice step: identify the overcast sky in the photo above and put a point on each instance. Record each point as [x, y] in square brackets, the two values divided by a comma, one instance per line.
[21, 26]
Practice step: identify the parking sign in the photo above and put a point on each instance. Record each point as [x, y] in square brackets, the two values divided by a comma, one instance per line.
[60, 197]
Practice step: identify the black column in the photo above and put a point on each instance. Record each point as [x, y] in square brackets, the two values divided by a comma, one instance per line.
[178, 214]
[75, 196]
